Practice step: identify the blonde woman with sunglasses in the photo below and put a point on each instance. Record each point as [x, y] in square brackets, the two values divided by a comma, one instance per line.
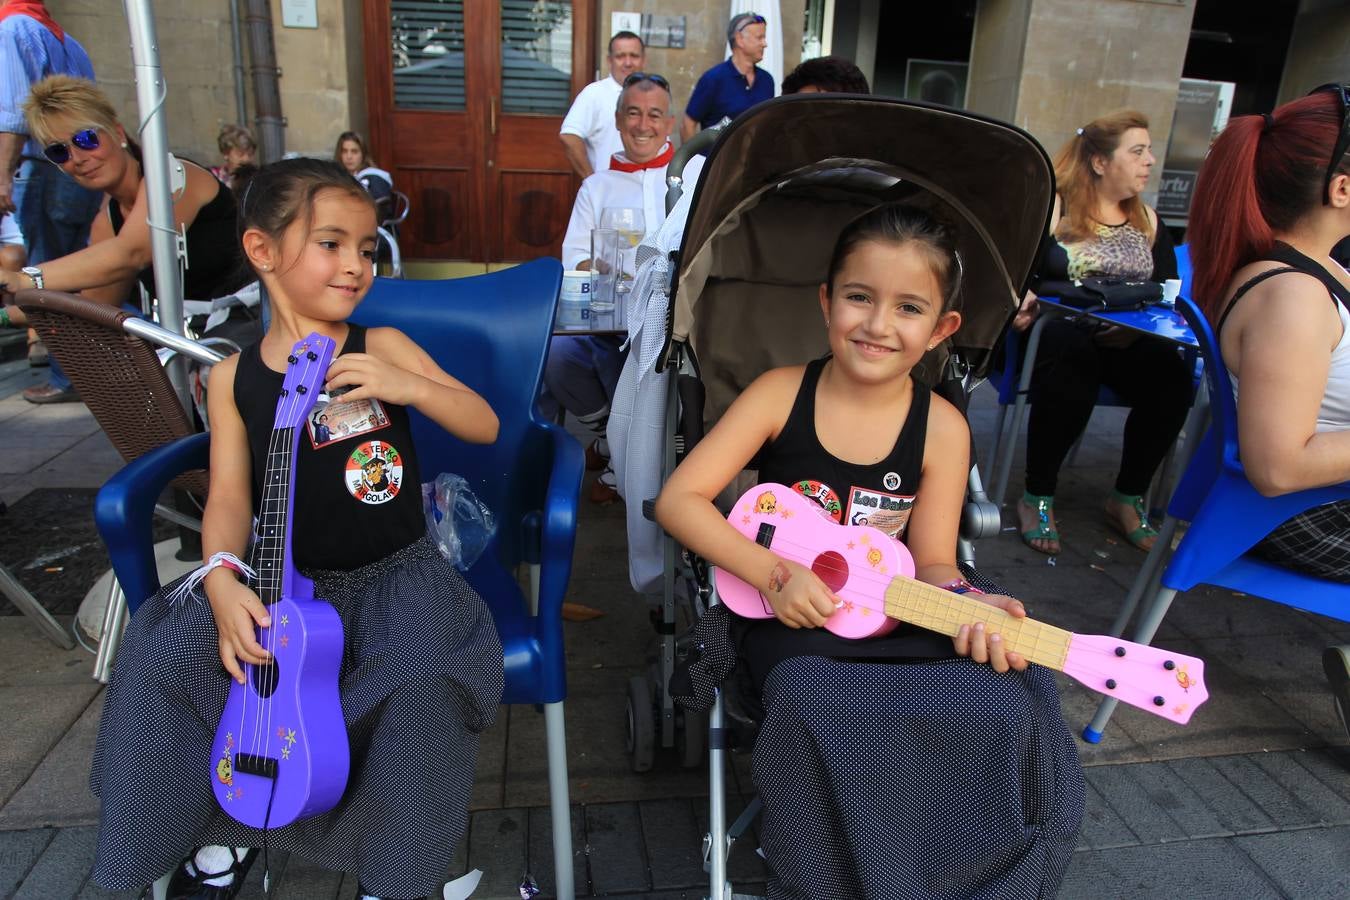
[77, 126]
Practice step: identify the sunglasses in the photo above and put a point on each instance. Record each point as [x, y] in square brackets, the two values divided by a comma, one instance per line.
[751, 20]
[59, 152]
[1338, 152]
[639, 77]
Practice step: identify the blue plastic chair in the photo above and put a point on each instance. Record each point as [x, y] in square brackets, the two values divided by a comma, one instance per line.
[1228, 517]
[1184, 270]
[491, 332]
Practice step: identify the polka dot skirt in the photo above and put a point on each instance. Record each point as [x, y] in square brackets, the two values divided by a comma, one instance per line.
[421, 676]
[942, 779]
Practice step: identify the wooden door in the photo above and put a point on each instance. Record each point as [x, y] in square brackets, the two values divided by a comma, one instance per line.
[465, 100]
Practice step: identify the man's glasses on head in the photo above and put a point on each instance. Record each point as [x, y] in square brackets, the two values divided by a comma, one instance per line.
[59, 151]
[639, 77]
[1342, 92]
[751, 20]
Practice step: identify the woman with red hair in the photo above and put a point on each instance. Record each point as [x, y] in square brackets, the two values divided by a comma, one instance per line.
[1272, 200]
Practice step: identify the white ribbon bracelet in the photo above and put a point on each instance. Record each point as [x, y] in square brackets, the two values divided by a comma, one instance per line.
[188, 586]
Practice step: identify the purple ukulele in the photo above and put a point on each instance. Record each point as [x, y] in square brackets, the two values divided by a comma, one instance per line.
[280, 752]
[873, 576]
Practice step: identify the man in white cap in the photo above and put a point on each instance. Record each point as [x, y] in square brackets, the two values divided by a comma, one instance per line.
[582, 371]
[588, 134]
[731, 87]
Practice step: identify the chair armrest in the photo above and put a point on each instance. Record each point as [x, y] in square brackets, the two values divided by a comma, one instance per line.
[125, 506]
[557, 533]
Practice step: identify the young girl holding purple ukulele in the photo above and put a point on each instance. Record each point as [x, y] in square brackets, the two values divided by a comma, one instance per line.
[907, 765]
[421, 670]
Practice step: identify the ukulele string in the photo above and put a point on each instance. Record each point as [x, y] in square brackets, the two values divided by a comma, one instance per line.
[818, 562]
[268, 501]
[288, 437]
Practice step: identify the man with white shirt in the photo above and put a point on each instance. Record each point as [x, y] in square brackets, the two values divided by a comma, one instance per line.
[588, 134]
[582, 371]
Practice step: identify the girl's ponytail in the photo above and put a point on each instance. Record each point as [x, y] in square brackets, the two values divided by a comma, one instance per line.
[1227, 228]
[1263, 174]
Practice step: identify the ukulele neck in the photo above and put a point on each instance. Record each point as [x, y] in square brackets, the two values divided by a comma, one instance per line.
[274, 530]
[942, 611]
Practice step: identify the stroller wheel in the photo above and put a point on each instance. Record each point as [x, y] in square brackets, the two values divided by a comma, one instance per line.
[694, 740]
[641, 724]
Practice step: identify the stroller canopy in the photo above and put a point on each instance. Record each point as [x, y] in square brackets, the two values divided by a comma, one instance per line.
[784, 179]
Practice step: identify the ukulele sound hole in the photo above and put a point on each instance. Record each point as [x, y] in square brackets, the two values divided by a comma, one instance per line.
[832, 569]
[265, 679]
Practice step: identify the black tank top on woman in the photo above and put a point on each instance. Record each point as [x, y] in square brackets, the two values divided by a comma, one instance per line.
[358, 491]
[215, 266]
[880, 494]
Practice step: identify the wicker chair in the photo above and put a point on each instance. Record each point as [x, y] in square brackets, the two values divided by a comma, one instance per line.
[112, 357]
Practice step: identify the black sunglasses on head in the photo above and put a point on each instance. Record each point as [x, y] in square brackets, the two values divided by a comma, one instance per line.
[639, 77]
[59, 152]
[751, 20]
[1342, 92]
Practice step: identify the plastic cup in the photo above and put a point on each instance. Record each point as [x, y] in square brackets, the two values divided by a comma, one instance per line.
[1171, 289]
[574, 300]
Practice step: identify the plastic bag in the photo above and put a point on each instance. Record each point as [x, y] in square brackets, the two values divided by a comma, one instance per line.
[458, 521]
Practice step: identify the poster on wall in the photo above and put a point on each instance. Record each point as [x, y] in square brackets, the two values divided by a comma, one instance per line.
[1201, 113]
[937, 81]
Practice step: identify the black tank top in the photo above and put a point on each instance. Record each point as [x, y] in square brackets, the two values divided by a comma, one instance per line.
[880, 494]
[1293, 261]
[358, 495]
[215, 266]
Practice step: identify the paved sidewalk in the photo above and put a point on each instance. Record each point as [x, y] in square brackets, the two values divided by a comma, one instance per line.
[1251, 800]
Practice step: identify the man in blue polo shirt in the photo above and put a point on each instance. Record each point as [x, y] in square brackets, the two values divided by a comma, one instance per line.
[731, 87]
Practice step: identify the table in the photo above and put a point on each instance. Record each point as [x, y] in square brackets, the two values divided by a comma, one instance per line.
[1154, 320]
[614, 322]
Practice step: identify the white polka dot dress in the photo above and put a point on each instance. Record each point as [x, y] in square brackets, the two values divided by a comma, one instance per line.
[939, 779]
[421, 676]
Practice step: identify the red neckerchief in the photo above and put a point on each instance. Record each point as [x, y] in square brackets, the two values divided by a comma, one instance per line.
[33, 9]
[621, 164]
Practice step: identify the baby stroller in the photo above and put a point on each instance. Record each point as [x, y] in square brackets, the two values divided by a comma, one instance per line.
[727, 288]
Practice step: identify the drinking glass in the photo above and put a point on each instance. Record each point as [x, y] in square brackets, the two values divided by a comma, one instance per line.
[630, 224]
[606, 258]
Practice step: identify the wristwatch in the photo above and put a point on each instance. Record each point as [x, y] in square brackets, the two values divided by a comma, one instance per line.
[34, 274]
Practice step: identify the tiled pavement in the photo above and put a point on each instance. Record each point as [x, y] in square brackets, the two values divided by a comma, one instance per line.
[1251, 800]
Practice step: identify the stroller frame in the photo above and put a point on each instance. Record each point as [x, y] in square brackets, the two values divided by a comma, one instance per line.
[835, 158]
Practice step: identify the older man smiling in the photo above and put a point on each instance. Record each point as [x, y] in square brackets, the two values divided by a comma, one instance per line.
[582, 371]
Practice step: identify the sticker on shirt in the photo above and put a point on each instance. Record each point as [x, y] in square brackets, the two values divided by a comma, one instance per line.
[340, 419]
[887, 512]
[824, 495]
[374, 472]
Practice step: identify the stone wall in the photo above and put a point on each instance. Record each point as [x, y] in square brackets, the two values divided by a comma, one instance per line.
[1050, 65]
[322, 89]
[1319, 51]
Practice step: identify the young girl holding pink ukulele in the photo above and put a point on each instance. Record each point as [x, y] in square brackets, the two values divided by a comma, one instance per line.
[908, 765]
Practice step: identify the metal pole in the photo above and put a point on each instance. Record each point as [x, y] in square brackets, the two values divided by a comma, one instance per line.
[150, 93]
[240, 103]
[262, 54]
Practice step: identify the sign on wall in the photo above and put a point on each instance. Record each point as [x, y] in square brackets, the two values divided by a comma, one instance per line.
[1201, 113]
[299, 13]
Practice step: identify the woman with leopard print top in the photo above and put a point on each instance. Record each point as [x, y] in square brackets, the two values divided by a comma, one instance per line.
[1100, 226]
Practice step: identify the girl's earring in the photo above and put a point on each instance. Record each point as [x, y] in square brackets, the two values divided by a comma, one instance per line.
[124, 145]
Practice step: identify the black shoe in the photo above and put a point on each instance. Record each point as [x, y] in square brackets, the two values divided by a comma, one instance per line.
[186, 886]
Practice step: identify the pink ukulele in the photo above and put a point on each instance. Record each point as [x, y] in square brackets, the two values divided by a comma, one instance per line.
[873, 575]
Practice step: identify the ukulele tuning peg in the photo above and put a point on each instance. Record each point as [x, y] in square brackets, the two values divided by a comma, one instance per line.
[301, 389]
[291, 359]
[1169, 665]
[312, 356]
